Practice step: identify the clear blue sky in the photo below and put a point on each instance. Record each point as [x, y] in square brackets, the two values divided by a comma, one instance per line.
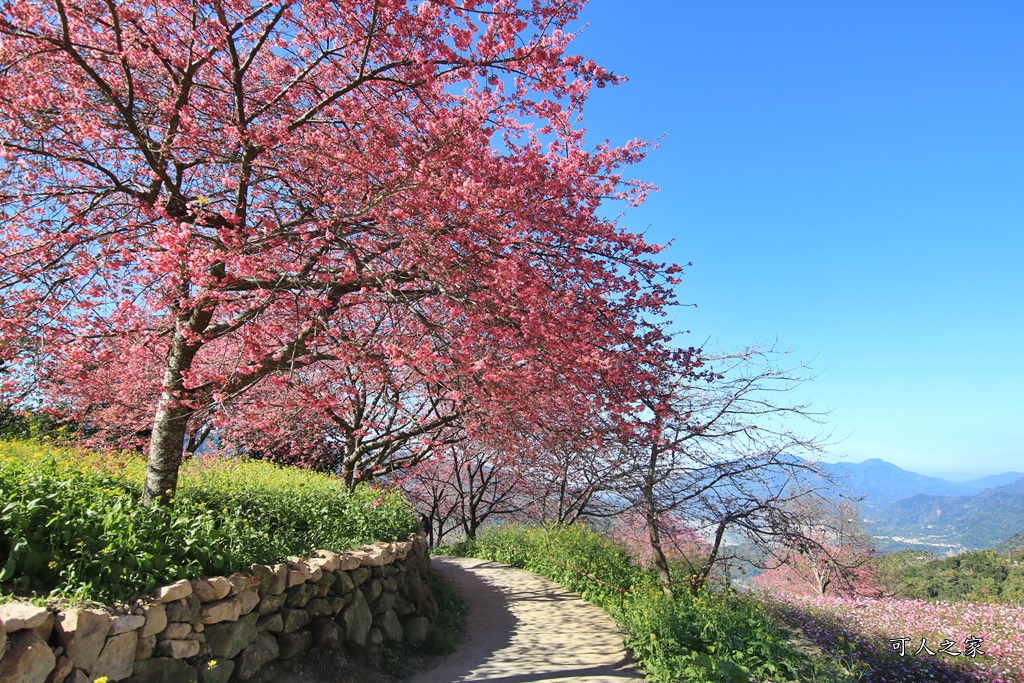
[849, 178]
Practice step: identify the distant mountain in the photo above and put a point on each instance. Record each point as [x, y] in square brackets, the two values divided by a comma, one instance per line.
[993, 480]
[905, 509]
[967, 522]
[883, 483]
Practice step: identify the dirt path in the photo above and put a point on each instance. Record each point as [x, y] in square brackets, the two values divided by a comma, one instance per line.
[522, 628]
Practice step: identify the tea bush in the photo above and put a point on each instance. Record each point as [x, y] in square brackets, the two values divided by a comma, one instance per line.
[715, 636]
[72, 523]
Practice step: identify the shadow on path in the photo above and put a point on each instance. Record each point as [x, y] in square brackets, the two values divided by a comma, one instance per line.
[522, 628]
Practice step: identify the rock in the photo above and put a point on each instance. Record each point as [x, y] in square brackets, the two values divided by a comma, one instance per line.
[46, 628]
[357, 621]
[338, 604]
[176, 631]
[264, 577]
[18, 616]
[211, 589]
[177, 649]
[294, 644]
[156, 619]
[248, 599]
[372, 590]
[299, 595]
[428, 609]
[332, 560]
[272, 623]
[61, 671]
[229, 638]
[343, 583]
[186, 609]
[383, 603]
[298, 572]
[348, 561]
[175, 591]
[417, 630]
[117, 658]
[228, 609]
[319, 607]
[271, 603]
[28, 660]
[360, 575]
[280, 582]
[294, 619]
[372, 558]
[416, 589]
[403, 607]
[83, 633]
[264, 649]
[3, 640]
[216, 671]
[241, 581]
[326, 633]
[389, 625]
[144, 647]
[163, 670]
[77, 676]
[323, 585]
[124, 623]
[374, 641]
[389, 584]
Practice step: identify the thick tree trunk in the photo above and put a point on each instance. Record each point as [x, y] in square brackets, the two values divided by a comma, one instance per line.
[165, 450]
[170, 426]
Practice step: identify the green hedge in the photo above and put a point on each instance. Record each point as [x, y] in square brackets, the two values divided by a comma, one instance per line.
[721, 636]
[72, 523]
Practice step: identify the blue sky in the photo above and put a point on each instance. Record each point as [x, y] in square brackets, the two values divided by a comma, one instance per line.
[847, 177]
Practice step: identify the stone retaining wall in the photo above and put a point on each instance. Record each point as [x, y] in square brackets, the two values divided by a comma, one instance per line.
[230, 628]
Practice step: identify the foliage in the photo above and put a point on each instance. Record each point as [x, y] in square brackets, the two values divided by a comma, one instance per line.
[25, 424]
[445, 631]
[712, 636]
[984, 576]
[73, 522]
[864, 629]
[450, 623]
[210, 206]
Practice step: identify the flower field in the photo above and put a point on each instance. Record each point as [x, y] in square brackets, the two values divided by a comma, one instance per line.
[894, 641]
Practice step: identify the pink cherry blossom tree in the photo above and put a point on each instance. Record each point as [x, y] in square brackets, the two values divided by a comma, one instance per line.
[468, 483]
[824, 550]
[202, 199]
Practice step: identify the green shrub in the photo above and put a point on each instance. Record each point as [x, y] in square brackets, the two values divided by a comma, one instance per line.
[72, 522]
[720, 636]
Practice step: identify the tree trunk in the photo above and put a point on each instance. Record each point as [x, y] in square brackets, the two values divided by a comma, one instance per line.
[653, 531]
[660, 561]
[170, 426]
[165, 449]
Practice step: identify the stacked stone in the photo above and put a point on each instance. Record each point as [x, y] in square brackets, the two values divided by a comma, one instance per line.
[229, 628]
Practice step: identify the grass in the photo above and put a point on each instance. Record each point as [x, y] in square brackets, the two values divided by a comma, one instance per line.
[72, 524]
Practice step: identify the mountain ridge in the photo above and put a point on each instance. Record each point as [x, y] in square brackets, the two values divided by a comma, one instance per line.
[905, 509]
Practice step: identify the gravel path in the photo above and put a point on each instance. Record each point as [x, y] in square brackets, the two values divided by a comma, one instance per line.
[522, 628]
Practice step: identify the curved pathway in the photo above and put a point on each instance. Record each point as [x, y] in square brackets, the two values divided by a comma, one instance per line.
[522, 628]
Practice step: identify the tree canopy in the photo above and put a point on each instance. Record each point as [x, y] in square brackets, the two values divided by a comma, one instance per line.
[203, 198]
